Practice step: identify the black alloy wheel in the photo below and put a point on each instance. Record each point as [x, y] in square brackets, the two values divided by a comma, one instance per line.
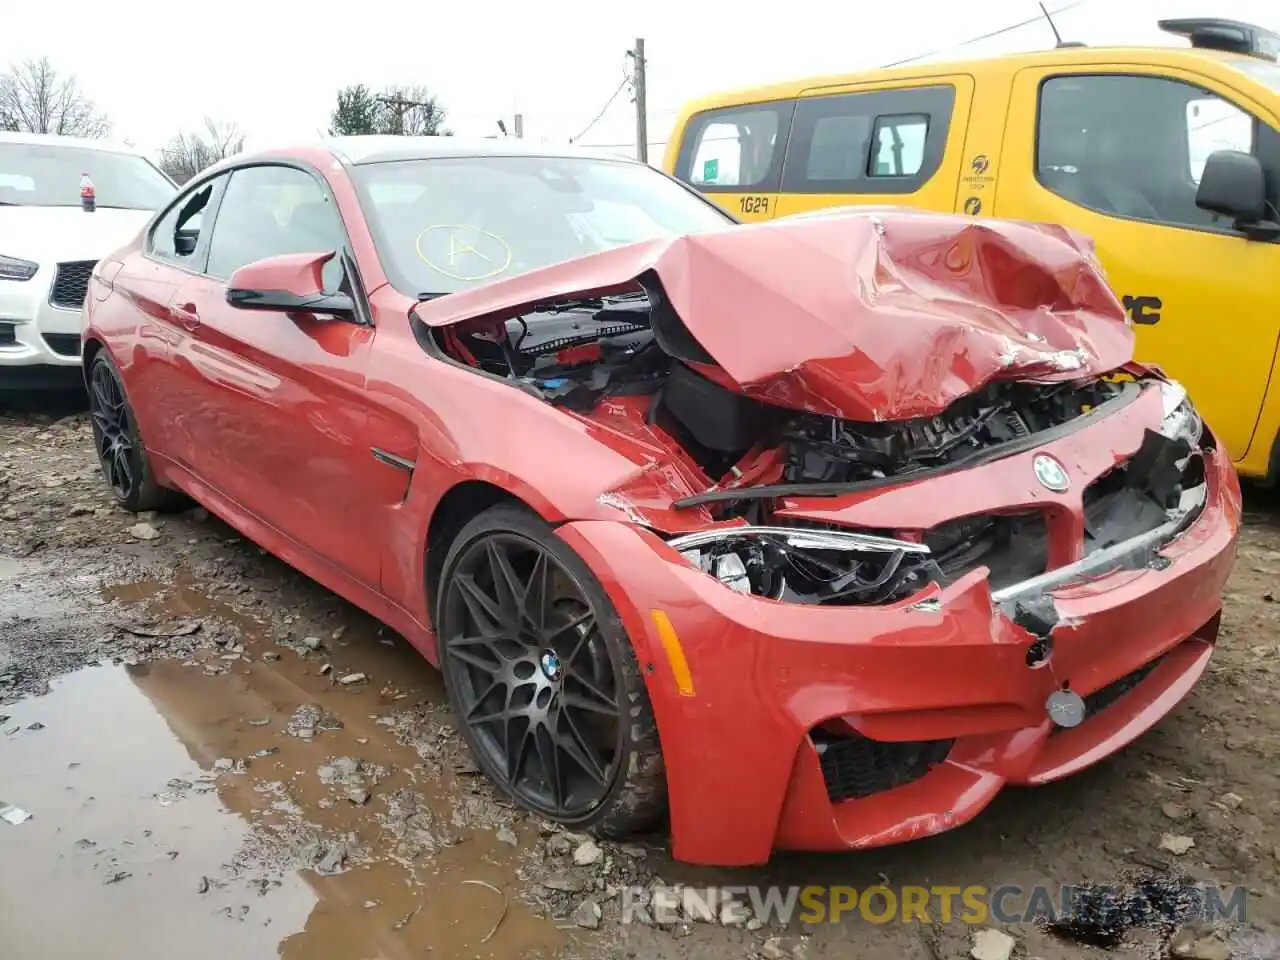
[119, 446]
[113, 431]
[539, 678]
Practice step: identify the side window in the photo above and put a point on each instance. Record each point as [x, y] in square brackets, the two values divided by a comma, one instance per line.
[268, 211]
[898, 145]
[1215, 124]
[176, 237]
[1134, 146]
[838, 147]
[735, 149]
[882, 141]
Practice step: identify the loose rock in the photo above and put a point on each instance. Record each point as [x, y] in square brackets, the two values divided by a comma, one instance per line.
[143, 531]
[588, 852]
[1194, 942]
[587, 915]
[565, 883]
[1173, 811]
[1175, 844]
[991, 944]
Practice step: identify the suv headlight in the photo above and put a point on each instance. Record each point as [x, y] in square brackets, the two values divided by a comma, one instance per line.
[13, 268]
[1181, 422]
[810, 566]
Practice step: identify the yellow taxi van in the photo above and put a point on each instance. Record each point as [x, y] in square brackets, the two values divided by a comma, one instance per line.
[1168, 157]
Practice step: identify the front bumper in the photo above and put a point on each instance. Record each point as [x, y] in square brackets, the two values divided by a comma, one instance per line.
[39, 336]
[745, 775]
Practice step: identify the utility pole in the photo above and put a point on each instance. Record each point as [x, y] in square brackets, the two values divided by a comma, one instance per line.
[399, 106]
[642, 121]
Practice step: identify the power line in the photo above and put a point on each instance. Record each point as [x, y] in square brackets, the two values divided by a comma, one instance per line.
[987, 36]
[1040, 18]
[603, 110]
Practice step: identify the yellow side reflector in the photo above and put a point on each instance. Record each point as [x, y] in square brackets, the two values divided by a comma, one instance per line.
[675, 652]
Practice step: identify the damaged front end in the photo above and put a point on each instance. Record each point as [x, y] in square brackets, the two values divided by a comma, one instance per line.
[917, 347]
[1128, 513]
[931, 419]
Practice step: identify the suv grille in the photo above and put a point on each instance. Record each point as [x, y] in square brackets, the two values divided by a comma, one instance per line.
[71, 283]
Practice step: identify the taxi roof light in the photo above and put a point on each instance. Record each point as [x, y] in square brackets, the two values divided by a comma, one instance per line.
[1231, 36]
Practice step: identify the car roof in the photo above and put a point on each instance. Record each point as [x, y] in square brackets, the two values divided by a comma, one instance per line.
[360, 150]
[80, 143]
[1068, 55]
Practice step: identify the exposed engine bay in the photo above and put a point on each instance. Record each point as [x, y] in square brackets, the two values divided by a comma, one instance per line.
[578, 354]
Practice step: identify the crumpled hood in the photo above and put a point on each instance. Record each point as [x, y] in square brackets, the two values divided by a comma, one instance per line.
[50, 234]
[873, 315]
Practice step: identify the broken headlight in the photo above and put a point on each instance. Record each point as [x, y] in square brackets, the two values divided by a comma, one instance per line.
[810, 566]
[1181, 422]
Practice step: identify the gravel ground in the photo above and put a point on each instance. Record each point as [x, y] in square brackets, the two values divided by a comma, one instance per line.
[221, 758]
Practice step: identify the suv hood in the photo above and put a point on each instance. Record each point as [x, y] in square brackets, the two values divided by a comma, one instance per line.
[865, 316]
[66, 233]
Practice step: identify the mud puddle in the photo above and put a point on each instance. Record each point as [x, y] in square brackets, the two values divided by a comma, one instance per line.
[242, 800]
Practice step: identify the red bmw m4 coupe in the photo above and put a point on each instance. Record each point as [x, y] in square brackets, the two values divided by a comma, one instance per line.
[809, 534]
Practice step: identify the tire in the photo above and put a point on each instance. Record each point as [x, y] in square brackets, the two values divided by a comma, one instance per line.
[531, 670]
[121, 453]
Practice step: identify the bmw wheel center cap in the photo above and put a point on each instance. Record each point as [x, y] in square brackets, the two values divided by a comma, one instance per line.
[550, 664]
[1051, 474]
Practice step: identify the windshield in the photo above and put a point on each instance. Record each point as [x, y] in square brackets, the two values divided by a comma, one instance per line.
[446, 224]
[48, 175]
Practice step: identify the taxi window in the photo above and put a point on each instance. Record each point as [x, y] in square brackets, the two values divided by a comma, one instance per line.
[898, 145]
[1133, 146]
[735, 149]
[875, 141]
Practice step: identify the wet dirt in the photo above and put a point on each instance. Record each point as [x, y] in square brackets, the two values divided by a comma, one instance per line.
[200, 782]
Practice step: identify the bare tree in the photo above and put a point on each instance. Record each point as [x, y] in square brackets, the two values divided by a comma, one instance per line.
[186, 154]
[35, 98]
[410, 112]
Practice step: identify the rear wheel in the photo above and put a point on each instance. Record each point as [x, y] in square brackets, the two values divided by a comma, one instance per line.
[120, 451]
[543, 680]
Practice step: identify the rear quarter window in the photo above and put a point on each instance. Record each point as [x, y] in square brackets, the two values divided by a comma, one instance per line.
[877, 142]
[735, 149]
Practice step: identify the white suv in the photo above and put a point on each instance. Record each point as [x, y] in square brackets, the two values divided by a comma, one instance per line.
[49, 244]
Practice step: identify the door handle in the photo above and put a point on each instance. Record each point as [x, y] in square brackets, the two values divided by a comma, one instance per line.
[185, 315]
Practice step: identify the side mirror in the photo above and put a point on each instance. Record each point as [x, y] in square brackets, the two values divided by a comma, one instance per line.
[289, 283]
[185, 241]
[1234, 185]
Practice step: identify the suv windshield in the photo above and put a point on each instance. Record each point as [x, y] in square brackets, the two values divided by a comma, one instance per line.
[48, 175]
[446, 224]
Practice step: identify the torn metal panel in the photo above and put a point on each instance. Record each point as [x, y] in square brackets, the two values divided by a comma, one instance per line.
[866, 318]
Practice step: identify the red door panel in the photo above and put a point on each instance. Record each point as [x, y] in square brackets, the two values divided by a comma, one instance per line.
[274, 417]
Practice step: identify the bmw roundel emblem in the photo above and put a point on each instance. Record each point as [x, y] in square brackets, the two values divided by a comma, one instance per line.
[550, 664]
[1051, 474]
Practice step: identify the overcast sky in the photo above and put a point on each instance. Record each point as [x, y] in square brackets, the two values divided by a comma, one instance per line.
[273, 67]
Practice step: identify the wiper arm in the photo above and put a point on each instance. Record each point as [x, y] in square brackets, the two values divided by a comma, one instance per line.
[617, 301]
